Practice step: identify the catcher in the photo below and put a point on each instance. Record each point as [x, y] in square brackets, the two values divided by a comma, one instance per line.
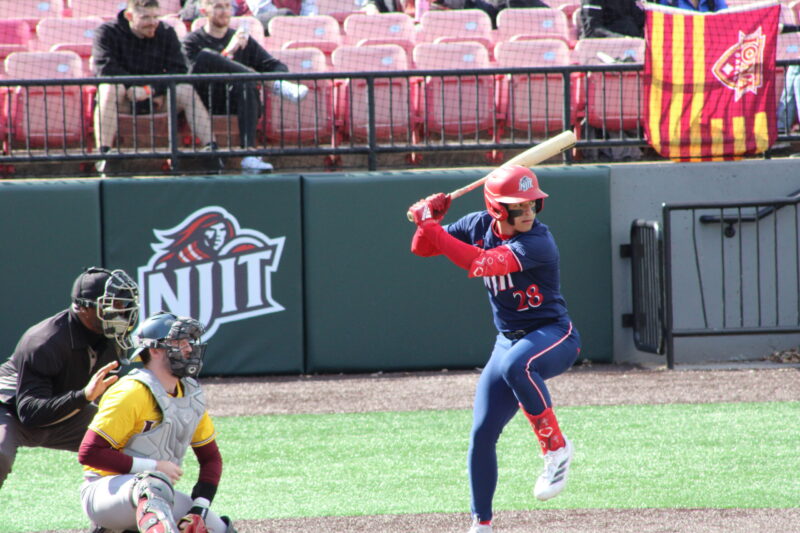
[133, 449]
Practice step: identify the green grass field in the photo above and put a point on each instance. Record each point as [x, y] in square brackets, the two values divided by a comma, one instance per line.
[674, 456]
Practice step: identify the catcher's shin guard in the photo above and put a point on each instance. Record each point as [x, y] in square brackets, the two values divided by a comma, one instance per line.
[153, 496]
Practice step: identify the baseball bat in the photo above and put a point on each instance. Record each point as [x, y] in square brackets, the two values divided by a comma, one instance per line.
[530, 157]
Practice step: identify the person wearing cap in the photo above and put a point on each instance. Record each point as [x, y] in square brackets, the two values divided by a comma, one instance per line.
[63, 364]
[133, 450]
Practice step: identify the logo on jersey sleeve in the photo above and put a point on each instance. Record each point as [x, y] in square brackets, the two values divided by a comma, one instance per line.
[210, 268]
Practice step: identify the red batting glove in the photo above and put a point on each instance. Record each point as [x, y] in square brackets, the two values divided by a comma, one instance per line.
[439, 203]
[421, 212]
[192, 523]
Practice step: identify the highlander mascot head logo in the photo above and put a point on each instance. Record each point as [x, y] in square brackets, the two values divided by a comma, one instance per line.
[210, 268]
[740, 68]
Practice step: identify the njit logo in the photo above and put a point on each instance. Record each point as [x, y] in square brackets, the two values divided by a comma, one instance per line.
[740, 67]
[209, 268]
[525, 183]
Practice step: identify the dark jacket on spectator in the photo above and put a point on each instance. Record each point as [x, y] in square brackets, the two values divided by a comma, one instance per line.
[611, 18]
[252, 55]
[118, 52]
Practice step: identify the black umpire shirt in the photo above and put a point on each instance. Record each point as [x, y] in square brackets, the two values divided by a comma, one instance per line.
[43, 380]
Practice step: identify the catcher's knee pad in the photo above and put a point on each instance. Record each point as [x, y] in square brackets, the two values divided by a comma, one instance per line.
[153, 496]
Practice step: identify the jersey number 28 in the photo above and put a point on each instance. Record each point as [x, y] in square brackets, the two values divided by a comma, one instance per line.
[530, 298]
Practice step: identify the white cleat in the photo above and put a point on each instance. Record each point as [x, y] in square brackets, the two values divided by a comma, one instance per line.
[479, 528]
[556, 467]
[252, 162]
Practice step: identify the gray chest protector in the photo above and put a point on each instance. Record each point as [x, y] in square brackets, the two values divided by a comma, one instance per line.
[169, 440]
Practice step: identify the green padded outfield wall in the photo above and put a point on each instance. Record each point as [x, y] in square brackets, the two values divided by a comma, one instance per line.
[372, 305]
[226, 250]
[51, 231]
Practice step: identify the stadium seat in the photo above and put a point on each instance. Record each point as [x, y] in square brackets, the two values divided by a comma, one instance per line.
[456, 106]
[318, 31]
[394, 121]
[383, 28]
[177, 23]
[338, 9]
[311, 120]
[68, 34]
[612, 101]
[105, 9]
[533, 103]
[532, 23]
[51, 116]
[32, 11]
[15, 36]
[250, 23]
[456, 25]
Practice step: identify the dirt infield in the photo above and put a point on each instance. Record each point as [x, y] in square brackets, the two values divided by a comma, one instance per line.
[583, 385]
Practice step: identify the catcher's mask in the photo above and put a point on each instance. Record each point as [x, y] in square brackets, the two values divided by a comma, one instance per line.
[511, 184]
[167, 331]
[115, 296]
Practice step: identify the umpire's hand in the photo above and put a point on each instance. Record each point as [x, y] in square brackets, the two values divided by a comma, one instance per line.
[101, 381]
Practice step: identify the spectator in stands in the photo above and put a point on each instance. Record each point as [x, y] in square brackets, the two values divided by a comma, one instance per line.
[137, 43]
[611, 18]
[191, 9]
[264, 10]
[372, 7]
[696, 5]
[217, 48]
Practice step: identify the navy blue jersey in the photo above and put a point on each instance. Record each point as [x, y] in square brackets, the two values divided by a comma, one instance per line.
[521, 300]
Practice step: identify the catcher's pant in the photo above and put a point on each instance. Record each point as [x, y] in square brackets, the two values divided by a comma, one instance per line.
[66, 435]
[514, 375]
[107, 502]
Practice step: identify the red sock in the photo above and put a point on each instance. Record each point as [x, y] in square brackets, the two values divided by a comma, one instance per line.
[485, 522]
[545, 426]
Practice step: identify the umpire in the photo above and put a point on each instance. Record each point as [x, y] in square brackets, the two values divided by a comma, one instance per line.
[63, 364]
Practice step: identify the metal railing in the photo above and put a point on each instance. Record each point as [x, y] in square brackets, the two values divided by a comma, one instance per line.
[364, 113]
[745, 282]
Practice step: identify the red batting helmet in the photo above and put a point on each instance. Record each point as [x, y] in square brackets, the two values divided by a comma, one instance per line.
[511, 184]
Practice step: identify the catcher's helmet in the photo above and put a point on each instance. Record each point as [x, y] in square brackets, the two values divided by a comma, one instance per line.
[115, 296]
[155, 332]
[511, 184]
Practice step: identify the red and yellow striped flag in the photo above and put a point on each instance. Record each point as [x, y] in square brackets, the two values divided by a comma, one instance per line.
[709, 81]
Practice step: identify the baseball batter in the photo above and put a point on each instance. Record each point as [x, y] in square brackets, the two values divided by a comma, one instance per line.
[517, 258]
[133, 449]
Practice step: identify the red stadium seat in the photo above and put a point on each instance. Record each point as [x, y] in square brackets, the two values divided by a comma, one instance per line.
[32, 11]
[533, 103]
[68, 34]
[457, 25]
[310, 120]
[611, 101]
[177, 24]
[394, 121]
[383, 28]
[532, 23]
[456, 106]
[15, 36]
[338, 9]
[105, 9]
[317, 31]
[51, 116]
